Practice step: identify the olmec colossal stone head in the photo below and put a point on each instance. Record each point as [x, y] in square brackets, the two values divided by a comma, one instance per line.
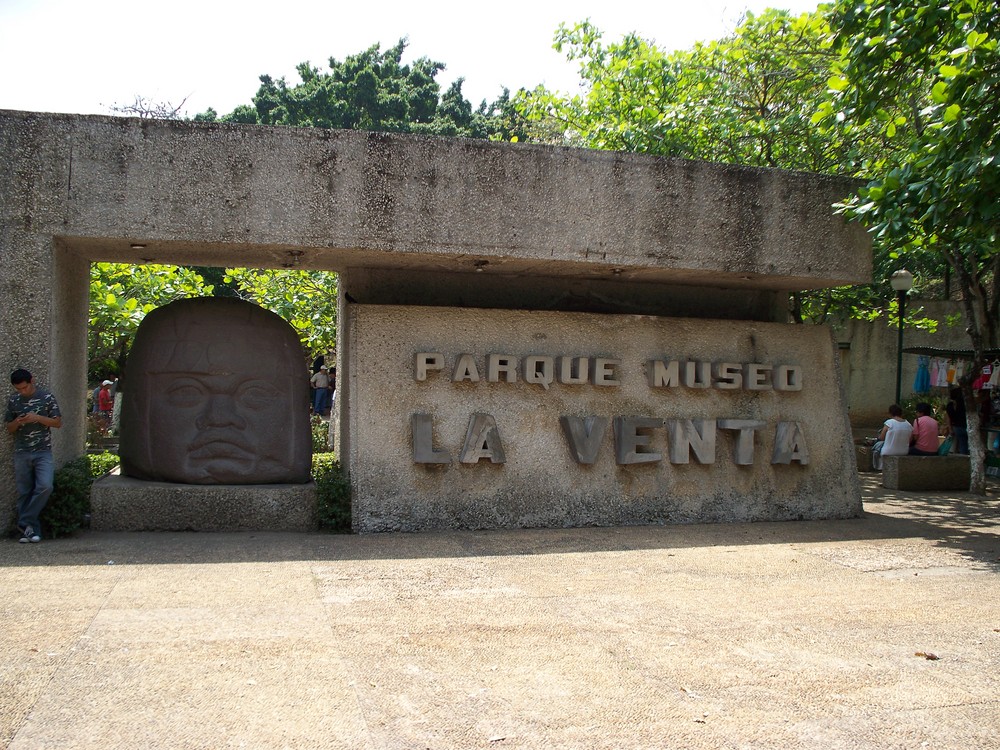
[216, 393]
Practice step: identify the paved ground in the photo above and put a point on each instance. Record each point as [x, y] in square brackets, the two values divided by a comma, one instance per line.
[790, 635]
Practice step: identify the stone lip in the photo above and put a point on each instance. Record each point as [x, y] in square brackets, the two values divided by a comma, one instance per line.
[338, 199]
[774, 635]
[126, 504]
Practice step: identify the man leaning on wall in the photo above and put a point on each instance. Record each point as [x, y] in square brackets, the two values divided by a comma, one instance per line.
[30, 416]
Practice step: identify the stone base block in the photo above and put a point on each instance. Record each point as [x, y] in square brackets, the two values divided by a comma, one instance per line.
[126, 504]
[925, 472]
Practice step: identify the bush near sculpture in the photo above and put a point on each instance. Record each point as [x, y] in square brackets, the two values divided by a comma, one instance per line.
[69, 503]
[320, 431]
[333, 492]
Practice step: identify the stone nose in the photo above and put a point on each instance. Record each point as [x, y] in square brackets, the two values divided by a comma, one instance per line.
[220, 411]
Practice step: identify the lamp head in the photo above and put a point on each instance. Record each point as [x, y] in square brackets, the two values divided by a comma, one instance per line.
[901, 281]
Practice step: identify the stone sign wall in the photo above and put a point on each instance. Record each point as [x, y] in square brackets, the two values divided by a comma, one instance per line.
[564, 247]
[484, 418]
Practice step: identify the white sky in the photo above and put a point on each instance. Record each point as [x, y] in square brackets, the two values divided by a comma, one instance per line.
[85, 55]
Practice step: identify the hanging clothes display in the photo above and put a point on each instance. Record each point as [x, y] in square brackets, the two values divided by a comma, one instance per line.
[942, 374]
[994, 381]
[922, 383]
[982, 381]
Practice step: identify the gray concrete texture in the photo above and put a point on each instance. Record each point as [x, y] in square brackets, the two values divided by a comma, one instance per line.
[204, 193]
[126, 504]
[540, 484]
[926, 472]
[797, 635]
[76, 189]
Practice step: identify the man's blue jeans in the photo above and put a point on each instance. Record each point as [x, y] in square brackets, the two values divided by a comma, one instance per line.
[321, 402]
[33, 473]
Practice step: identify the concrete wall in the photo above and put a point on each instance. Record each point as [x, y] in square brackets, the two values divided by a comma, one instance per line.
[408, 220]
[868, 361]
[539, 483]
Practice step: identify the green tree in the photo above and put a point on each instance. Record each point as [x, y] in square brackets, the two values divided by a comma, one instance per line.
[748, 99]
[375, 90]
[929, 72]
[306, 299]
[120, 296]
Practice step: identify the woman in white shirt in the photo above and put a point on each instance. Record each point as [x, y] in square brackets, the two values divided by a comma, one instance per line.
[894, 439]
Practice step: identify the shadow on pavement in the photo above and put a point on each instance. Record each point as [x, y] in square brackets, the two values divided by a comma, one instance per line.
[964, 523]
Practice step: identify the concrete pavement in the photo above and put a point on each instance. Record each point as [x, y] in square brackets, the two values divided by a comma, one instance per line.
[772, 635]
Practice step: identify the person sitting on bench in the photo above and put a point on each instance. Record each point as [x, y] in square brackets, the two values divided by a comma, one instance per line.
[924, 441]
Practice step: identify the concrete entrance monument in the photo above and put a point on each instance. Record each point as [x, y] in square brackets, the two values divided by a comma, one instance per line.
[529, 336]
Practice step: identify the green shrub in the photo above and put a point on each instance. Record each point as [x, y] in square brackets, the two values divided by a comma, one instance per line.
[938, 403]
[320, 434]
[69, 503]
[101, 463]
[333, 492]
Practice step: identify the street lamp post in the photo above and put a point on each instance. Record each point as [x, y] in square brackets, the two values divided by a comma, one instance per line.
[902, 282]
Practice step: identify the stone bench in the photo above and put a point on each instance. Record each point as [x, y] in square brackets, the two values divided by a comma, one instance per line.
[925, 472]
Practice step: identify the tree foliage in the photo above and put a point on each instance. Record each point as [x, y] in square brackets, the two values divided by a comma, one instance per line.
[120, 296]
[306, 299]
[929, 73]
[375, 90]
[748, 99]
[932, 71]
[745, 99]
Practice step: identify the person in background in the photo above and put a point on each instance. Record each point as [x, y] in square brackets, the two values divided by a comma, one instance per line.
[31, 415]
[321, 383]
[955, 411]
[924, 441]
[105, 405]
[894, 439]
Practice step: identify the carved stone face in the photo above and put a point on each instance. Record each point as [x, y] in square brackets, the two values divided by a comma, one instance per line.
[216, 393]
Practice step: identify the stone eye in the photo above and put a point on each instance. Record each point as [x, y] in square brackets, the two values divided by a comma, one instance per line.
[257, 395]
[185, 394]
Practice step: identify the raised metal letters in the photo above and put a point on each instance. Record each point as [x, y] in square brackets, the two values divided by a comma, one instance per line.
[745, 429]
[482, 440]
[422, 426]
[629, 443]
[425, 361]
[691, 435]
[584, 435]
[789, 444]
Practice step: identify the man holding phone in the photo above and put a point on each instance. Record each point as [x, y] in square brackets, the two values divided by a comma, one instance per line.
[30, 416]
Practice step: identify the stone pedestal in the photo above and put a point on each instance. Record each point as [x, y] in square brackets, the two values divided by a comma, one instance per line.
[125, 504]
[925, 472]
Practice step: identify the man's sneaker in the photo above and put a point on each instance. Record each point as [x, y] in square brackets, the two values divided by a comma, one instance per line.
[27, 536]
[35, 537]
